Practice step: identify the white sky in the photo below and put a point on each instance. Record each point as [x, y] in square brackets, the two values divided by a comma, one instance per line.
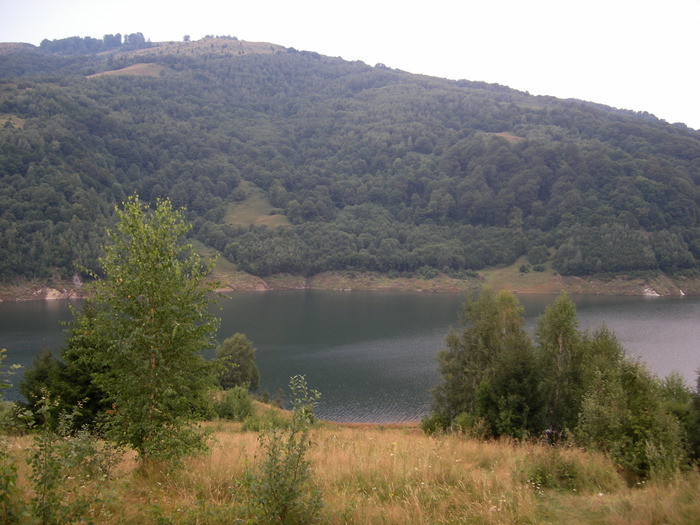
[632, 54]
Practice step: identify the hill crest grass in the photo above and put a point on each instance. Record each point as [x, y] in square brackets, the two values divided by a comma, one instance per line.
[205, 46]
[376, 474]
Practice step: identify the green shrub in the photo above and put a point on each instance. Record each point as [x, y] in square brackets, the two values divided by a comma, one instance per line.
[281, 487]
[235, 404]
[427, 272]
[68, 468]
[555, 469]
[8, 417]
[538, 254]
[10, 504]
[624, 415]
[471, 426]
[265, 420]
[434, 423]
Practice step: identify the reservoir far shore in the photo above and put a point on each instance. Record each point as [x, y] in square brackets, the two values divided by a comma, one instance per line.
[372, 354]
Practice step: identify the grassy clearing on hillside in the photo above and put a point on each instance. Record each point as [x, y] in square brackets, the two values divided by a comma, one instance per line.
[7, 119]
[225, 272]
[135, 70]
[398, 475]
[509, 136]
[255, 209]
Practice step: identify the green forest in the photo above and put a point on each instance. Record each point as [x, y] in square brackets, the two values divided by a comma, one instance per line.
[364, 167]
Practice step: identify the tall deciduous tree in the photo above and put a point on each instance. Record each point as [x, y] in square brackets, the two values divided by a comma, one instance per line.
[560, 355]
[488, 369]
[149, 315]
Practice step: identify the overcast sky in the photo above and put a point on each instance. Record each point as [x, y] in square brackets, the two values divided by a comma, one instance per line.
[632, 54]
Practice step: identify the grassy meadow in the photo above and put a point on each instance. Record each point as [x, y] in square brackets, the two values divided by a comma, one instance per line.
[370, 474]
[254, 210]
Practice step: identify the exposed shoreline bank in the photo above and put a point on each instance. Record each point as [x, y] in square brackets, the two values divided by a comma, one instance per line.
[498, 279]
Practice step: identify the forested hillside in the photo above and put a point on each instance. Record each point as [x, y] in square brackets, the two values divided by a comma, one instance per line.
[364, 168]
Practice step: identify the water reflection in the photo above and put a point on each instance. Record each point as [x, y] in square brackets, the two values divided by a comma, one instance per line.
[372, 354]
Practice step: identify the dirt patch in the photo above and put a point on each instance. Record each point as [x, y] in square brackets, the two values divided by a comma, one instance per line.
[509, 136]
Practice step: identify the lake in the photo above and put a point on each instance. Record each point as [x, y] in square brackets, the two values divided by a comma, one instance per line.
[372, 354]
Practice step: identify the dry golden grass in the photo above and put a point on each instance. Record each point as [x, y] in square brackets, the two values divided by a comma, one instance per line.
[135, 70]
[204, 47]
[13, 120]
[370, 475]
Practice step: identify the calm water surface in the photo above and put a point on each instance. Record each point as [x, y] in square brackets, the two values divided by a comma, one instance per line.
[372, 354]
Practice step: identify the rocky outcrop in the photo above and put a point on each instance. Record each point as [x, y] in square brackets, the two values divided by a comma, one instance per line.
[52, 294]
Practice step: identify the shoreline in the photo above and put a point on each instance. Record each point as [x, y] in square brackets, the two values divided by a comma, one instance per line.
[508, 278]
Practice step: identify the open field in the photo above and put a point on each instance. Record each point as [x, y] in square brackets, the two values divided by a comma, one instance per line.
[374, 474]
[255, 209]
[135, 70]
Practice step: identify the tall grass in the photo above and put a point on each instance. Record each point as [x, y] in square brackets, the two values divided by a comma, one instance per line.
[370, 475]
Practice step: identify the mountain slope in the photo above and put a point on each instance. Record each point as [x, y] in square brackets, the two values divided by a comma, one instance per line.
[365, 168]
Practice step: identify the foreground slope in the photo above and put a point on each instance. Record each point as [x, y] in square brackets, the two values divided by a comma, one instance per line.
[398, 475]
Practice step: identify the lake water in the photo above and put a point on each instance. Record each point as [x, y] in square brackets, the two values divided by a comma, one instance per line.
[372, 354]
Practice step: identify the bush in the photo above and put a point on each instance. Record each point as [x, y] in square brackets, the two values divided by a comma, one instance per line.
[568, 470]
[265, 420]
[470, 426]
[624, 415]
[282, 487]
[434, 423]
[427, 272]
[8, 417]
[10, 504]
[234, 404]
[538, 255]
[68, 468]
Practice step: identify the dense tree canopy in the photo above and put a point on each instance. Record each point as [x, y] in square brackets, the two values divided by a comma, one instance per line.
[372, 168]
[496, 381]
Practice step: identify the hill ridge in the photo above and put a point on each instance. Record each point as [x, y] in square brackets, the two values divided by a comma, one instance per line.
[364, 168]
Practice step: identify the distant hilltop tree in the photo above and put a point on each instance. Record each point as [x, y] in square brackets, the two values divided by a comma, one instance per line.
[112, 41]
[76, 45]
